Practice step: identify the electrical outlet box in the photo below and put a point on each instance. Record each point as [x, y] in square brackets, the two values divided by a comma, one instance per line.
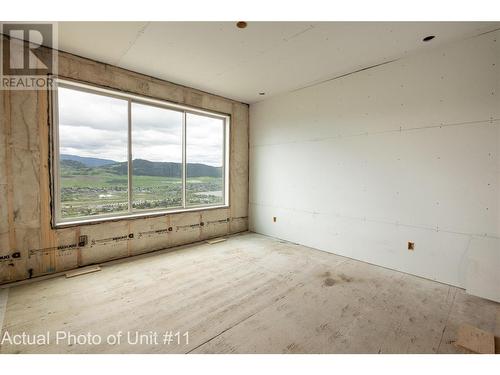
[411, 245]
[274, 219]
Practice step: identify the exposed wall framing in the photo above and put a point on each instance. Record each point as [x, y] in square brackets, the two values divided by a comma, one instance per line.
[30, 247]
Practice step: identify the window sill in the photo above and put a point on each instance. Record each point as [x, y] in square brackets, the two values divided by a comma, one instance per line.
[133, 216]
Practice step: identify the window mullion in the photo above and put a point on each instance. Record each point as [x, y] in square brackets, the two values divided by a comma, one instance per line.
[205, 190]
[130, 167]
[184, 166]
[224, 161]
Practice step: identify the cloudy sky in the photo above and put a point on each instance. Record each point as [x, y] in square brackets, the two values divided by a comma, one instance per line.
[96, 126]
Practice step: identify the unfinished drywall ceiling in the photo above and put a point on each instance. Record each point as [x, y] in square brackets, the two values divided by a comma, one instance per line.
[25, 208]
[269, 57]
[405, 152]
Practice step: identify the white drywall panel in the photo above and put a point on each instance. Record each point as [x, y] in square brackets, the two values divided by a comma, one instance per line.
[407, 151]
[483, 265]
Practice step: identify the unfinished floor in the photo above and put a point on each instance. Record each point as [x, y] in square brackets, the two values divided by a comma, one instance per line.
[249, 294]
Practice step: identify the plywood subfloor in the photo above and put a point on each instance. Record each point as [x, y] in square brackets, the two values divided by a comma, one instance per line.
[249, 294]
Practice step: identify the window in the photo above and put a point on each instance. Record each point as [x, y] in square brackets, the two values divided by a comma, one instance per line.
[119, 155]
[205, 157]
[156, 157]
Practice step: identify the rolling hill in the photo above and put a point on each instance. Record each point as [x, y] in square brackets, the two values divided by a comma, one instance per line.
[71, 164]
[86, 161]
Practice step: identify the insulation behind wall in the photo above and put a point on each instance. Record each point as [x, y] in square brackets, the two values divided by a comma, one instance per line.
[25, 203]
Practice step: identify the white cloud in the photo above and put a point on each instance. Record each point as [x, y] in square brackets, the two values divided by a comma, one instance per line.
[97, 126]
[204, 140]
[91, 142]
[77, 108]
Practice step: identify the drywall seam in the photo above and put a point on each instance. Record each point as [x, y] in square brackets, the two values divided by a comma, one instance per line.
[486, 32]
[262, 53]
[491, 121]
[378, 221]
[132, 43]
[319, 82]
[331, 185]
[147, 77]
[308, 28]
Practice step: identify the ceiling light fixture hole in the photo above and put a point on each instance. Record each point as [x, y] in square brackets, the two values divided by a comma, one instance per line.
[262, 93]
[428, 38]
[241, 24]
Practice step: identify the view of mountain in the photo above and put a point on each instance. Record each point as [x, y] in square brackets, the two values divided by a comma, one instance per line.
[87, 162]
[140, 167]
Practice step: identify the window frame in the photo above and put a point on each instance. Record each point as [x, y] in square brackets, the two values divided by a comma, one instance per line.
[58, 221]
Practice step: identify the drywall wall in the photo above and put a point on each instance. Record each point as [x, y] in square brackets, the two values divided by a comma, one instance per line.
[25, 206]
[406, 151]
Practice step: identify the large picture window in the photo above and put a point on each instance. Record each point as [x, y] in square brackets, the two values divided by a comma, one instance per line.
[118, 154]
